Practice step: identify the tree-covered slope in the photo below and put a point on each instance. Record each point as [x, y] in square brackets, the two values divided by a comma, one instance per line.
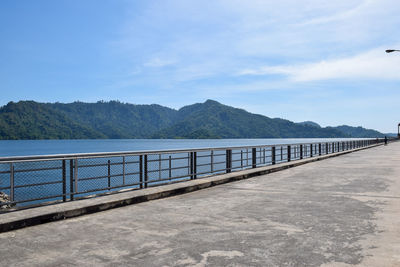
[31, 120]
[118, 120]
[358, 132]
[214, 120]
[310, 123]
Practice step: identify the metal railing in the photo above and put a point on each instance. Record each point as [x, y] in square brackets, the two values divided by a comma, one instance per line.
[32, 180]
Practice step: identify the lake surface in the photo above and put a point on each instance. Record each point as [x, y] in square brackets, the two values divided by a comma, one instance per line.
[48, 147]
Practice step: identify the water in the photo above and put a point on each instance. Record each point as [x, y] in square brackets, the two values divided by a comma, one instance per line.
[49, 147]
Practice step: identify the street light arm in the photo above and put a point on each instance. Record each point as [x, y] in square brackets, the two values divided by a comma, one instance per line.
[392, 50]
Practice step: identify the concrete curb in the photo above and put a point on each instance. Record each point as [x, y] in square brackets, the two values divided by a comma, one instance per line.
[34, 216]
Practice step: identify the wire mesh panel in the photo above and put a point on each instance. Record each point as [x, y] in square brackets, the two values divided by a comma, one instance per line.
[203, 163]
[34, 181]
[132, 171]
[219, 161]
[5, 171]
[180, 168]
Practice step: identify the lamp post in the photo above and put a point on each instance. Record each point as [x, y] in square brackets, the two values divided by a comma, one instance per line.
[398, 131]
[390, 51]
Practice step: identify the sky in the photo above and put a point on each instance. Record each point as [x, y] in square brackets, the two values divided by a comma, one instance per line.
[300, 60]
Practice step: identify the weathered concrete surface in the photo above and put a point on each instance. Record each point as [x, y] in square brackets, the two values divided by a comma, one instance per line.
[337, 212]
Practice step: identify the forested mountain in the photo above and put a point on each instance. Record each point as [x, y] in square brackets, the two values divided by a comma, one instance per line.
[310, 123]
[31, 120]
[214, 120]
[78, 120]
[358, 132]
[117, 120]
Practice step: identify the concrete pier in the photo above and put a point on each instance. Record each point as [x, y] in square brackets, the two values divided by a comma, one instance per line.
[341, 211]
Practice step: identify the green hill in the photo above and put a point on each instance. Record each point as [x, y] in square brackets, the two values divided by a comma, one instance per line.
[310, 123]
[358, 132]
[78, 120]
[118, 120]
[214, 120]
[31, 120]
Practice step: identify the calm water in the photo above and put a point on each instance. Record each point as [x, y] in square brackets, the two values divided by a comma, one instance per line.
[47, 147]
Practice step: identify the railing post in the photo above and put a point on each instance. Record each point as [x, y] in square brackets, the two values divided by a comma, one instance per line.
[273, 155]
[263, 155]
[12, 187]
[169, 167]
[64, 181]
[76, 175]
[319, 148]
[288, 153]
[194, 165]
[326, 148]
[141, 171]
[301, 151]
[212, 161]
[71, 180]
[228, 162]
[311, 150]
[123, 170]
[146, 175]
[109, 173]
[254, 157]
[241, 159]
[159, 166]
[191, 170]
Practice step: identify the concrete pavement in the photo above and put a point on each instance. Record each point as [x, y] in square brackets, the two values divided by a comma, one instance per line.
[337, 212]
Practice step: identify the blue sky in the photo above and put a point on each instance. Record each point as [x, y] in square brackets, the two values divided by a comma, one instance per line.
[295, 59]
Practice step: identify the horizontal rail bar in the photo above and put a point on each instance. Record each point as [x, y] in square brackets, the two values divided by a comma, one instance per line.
[149, 152]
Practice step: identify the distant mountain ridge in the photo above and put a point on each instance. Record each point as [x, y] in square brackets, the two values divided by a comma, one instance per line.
[310, 123]
[211, 119]
[356, 132]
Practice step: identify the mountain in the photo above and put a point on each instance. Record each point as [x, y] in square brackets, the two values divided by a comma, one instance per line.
[358, 132]
[78, 120]
[117, 120]
[214, 120]
[310, 123]
[31, 120]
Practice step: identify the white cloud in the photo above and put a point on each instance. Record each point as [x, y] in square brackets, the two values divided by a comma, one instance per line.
[373, 64]
[186, 44]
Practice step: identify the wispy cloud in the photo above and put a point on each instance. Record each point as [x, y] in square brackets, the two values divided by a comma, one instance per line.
[239, 48]
[373, 64]
[218, 38]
